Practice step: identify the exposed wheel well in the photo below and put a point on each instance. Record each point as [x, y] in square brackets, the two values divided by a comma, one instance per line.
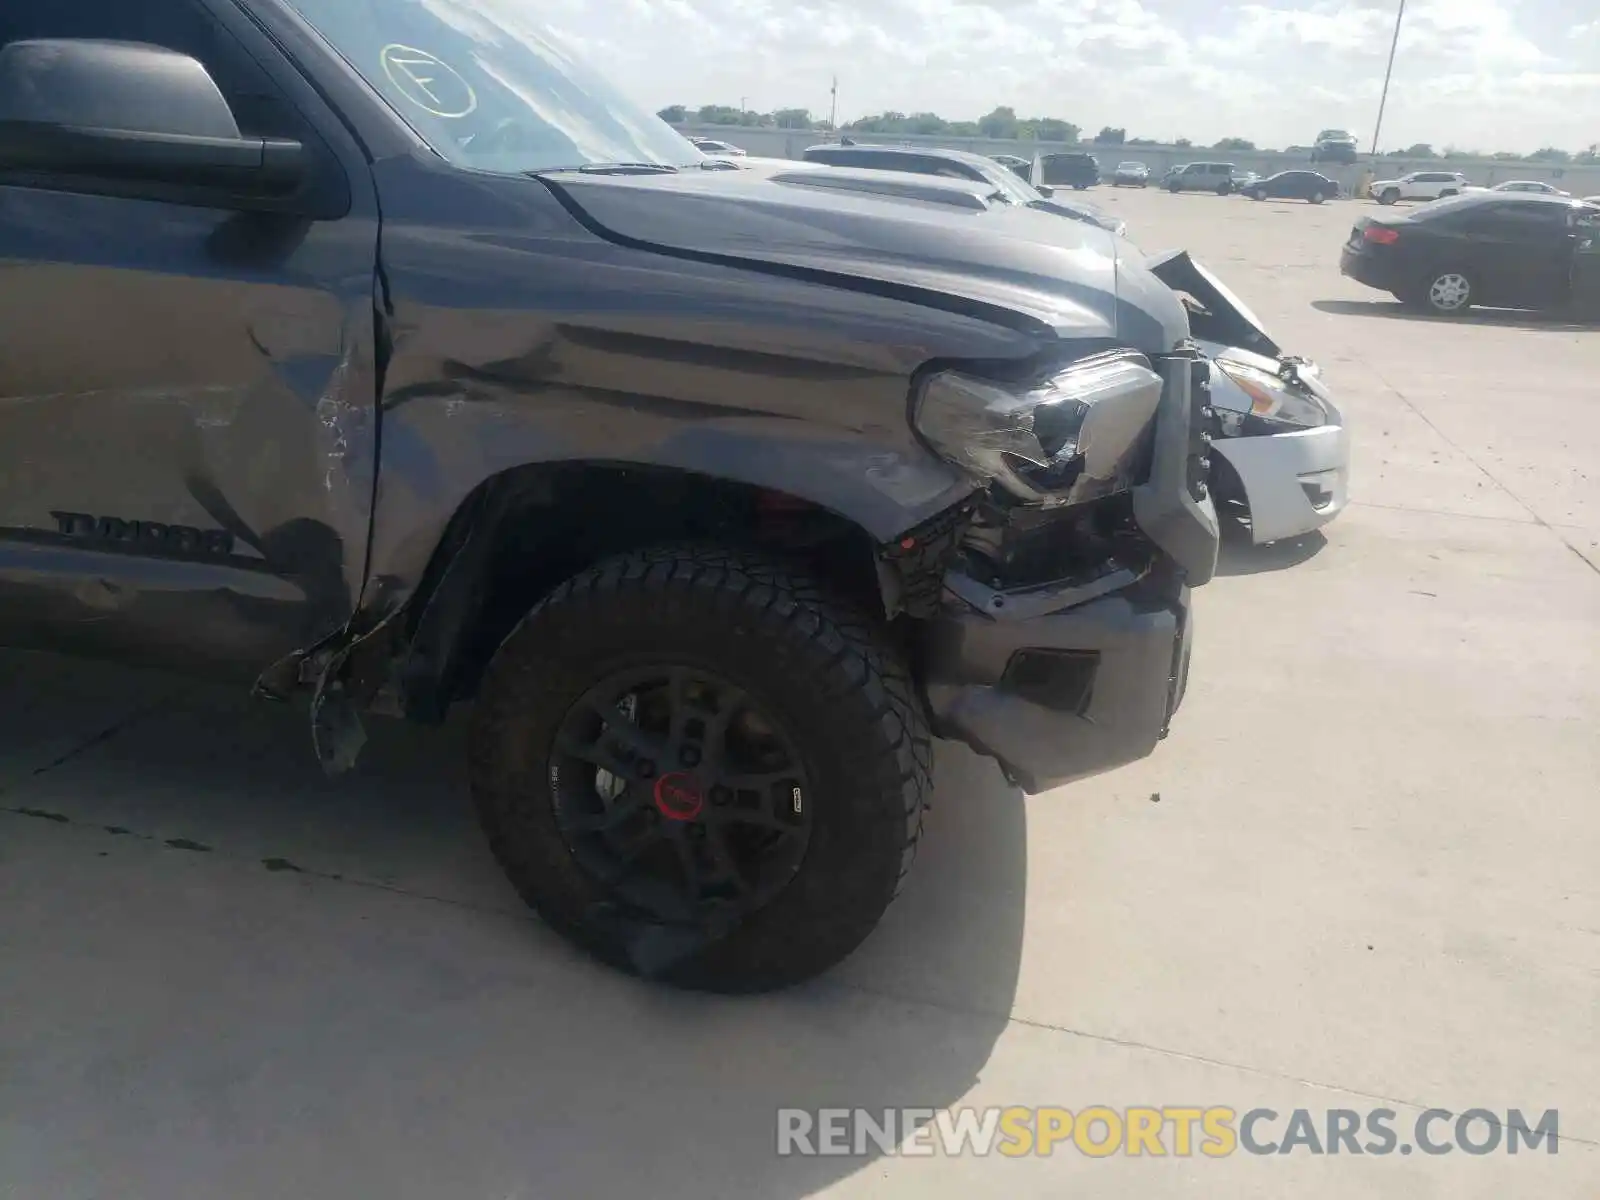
[522, 533]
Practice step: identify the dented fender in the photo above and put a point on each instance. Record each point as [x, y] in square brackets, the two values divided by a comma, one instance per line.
[517, 336]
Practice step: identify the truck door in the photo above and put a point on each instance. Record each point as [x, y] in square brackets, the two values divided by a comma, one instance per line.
[187, 389]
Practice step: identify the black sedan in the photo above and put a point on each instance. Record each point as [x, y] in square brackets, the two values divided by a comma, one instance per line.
[1494, 248]
[1293, 185]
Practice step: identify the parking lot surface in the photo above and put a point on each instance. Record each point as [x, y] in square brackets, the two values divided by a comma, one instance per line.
[1361, 873]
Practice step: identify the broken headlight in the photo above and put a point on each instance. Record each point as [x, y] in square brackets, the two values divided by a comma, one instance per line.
[1276, 404]
[1082, 434]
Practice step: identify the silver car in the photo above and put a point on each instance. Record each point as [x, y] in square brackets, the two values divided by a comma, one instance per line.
[1202, 177]
[1280, 448]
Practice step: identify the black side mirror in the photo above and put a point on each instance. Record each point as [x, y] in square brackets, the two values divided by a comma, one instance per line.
[128, 111]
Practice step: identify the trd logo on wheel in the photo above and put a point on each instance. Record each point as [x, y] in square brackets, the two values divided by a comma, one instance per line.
[678, 797]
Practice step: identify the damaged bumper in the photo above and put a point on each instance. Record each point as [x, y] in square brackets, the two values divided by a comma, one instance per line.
[1294, 483]
[1058, 686]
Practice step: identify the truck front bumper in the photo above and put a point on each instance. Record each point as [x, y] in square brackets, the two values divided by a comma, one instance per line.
[1058, 687]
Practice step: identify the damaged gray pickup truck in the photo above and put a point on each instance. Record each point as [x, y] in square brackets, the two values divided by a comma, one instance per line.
[378, 353]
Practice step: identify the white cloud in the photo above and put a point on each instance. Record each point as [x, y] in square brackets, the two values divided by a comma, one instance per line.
[1491, 74]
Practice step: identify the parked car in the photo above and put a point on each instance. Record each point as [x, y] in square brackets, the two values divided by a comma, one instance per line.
[960, 164]
[1531, 186]
[1493, 248]
[1292, 185]
[718, 148]
[1280, 448]
[1020, 167]
[720, 496]
[1130, 174]
[1070, 169]
[1334, 145]
[1201, 177]
[1419, 185]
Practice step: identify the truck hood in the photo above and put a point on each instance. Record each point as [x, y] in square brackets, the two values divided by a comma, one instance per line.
[1216, 315]
[945, 246]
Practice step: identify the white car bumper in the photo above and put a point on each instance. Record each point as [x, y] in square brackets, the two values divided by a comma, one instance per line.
[1293, 482]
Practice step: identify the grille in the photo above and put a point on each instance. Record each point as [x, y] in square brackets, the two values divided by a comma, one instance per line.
[920, 557]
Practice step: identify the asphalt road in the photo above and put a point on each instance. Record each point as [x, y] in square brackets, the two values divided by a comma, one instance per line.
[1362, 873]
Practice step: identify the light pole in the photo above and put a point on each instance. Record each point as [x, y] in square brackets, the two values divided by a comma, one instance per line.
[833, 115]
[743, 108]
[1387, 75]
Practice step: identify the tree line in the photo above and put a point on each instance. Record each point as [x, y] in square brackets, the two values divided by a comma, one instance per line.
[1003, 124]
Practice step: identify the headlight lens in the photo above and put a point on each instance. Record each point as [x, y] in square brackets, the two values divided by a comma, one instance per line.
[1276, 406]
[1081, 435]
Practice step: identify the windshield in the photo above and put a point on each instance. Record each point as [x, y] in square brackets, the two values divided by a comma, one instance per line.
[488, 86]
[1016, 189]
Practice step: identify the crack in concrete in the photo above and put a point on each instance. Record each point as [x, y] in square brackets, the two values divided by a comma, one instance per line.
[1168, 1052]
[278, 865]
[1554, 530]
[100, 738]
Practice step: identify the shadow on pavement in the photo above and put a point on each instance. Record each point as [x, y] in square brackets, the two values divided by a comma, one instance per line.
[227, 975]
[1510, 318]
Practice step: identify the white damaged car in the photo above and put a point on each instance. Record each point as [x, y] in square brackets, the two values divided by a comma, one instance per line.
[1280, 449]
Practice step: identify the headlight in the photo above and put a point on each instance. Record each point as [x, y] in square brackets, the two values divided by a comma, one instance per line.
[1079, 436]
[1276, 406]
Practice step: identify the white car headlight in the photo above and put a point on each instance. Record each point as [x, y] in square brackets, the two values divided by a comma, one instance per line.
[1083, 434]
[1275, 404]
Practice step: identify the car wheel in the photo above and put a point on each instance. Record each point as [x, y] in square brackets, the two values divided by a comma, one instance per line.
[1080, 187]
[1174, 188]
[701, 768]
[1318, 197]
[1446, 292]
[1223, 189]
[1256, 194]
[1389, 196]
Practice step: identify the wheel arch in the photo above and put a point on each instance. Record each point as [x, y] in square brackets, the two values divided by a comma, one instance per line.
[524, 531]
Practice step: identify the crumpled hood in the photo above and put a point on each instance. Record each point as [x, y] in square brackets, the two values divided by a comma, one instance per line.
[1000, 261]
[1225, 319]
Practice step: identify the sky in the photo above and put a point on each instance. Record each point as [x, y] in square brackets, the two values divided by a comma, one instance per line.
[1484, 75]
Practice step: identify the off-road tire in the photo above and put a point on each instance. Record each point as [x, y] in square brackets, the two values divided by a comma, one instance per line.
[819, 666]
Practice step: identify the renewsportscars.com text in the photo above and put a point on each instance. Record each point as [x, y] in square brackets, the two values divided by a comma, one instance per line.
[1175, 1131]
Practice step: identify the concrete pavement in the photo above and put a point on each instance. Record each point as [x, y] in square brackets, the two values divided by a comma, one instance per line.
[1369, 879]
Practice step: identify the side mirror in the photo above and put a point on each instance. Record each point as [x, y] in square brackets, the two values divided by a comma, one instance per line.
[1045, 190]
[127, 111]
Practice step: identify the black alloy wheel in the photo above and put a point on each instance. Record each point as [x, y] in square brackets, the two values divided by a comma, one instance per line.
[702, 766]
[678, 791]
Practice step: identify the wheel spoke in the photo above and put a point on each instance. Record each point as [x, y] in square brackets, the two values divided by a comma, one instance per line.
[687, 863]
[595, 755]
[763, 783]
[625, 731]
[624, 807]
[729, 701]
[626, 859]
[721, 855]
[678, 704]
[761, 818]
